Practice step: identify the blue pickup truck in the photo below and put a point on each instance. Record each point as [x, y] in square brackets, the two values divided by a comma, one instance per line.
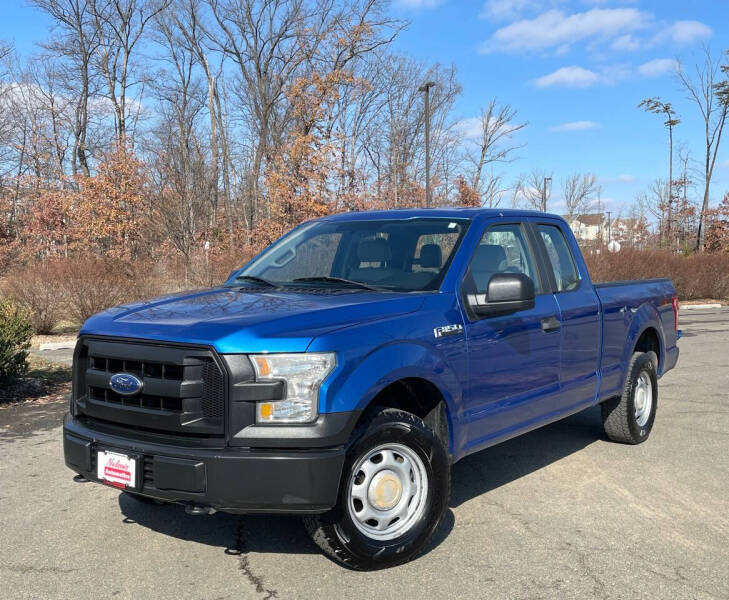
[342, 371]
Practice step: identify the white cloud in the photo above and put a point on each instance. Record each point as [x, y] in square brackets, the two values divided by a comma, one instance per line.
[508, 10]
[579, 77]
[556, 29]
[575, 126]
[626, 42]
[622, 178]
[687, 32]
[470, 128]
[576, 77]
[658, 67]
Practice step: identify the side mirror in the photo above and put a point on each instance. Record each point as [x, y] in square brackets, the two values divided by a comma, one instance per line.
[507, 293]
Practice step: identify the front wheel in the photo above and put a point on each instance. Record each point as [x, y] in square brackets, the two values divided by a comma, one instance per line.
[394, 491]
[629, 418]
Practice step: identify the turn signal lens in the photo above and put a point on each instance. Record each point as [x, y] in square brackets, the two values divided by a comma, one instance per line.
[262, 367]
[265, 411]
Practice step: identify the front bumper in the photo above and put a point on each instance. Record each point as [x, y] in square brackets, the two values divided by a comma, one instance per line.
[229, 479]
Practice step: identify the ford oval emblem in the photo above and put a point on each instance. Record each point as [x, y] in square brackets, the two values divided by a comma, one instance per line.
[125, 384]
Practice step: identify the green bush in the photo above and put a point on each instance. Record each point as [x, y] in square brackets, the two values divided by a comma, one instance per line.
[15, 334]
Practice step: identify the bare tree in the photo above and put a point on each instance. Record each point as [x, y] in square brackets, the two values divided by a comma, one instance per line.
[578, 192]
[708, 87]
[396, 134]
[655, 201]
[685, 215]
[120, 25]
[536, 189]
[5, 126]
[494, 144]
[184, 200]
[192, 28]
[77, 42]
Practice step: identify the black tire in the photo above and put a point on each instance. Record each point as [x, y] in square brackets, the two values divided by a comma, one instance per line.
[618, 414]
[335, 532]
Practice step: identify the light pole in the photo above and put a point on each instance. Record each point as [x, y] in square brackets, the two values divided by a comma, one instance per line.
[544, 193]
[610, 228]
[428, 192]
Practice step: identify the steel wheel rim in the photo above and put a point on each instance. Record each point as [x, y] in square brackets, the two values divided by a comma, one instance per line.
[387, 491]
[643, 399]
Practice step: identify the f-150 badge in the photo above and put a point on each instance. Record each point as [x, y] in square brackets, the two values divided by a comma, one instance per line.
[440, 332]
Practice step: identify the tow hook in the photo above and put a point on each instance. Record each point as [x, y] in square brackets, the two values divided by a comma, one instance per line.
[197, 509]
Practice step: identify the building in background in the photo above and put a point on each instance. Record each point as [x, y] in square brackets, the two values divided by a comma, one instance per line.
[593, 229]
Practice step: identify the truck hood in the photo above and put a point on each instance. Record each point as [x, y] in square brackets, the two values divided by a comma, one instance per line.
[235, 320]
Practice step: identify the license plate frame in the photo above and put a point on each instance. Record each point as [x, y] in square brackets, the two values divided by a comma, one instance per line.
[118, 468]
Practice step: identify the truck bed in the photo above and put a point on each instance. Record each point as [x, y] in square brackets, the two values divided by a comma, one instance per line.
[630, 308]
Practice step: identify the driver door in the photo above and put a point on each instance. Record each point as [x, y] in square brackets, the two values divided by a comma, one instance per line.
[513, 359]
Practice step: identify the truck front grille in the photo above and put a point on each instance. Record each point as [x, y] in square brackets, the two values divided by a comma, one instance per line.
[144, 400]
[184, 388]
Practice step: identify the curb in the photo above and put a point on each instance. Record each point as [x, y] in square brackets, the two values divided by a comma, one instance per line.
[698, 306]
[70, 345]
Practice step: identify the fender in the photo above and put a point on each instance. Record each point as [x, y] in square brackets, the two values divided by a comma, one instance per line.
[355, 387]
[646, 317]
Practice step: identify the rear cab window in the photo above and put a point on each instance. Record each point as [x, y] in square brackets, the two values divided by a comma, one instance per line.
[564, 268]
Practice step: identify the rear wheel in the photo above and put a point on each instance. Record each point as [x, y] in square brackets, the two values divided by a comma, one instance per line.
[395, 488]
[629, 418]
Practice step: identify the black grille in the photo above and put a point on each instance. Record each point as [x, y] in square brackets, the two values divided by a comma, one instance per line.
[213, 390]
[148, 475]
[142, 400]
[183, 392]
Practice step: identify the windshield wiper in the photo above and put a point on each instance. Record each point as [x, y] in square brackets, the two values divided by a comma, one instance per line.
[258, 280]
[339, 280]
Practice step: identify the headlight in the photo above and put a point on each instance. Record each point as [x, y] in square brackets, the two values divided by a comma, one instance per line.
[302, 375]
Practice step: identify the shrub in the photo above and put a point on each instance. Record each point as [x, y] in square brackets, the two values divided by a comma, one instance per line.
[90, 285]
[217, 268]
[15, 334]
[697, 276]
[36, 290]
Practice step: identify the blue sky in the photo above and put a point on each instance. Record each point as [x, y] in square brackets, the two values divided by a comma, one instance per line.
[587, 63]
[575, 70]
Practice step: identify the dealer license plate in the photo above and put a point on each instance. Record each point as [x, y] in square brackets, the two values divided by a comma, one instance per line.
[119, 470]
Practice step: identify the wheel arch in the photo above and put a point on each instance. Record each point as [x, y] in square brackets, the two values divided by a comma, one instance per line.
[649, 340]
[422, 398]
[645, 334]
[409, 376]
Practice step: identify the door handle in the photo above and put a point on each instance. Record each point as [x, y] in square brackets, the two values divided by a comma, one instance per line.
[550, 324]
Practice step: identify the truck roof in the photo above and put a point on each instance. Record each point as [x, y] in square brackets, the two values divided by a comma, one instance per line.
[448, 212]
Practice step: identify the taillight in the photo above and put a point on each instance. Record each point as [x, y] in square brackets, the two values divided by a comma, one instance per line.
[674, 304]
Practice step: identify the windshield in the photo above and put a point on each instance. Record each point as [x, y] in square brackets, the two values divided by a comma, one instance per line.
[398, 255]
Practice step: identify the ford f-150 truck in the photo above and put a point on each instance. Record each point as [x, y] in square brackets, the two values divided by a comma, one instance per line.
[342, 371]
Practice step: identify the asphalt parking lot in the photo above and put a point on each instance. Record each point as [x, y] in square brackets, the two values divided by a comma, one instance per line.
[558, 513]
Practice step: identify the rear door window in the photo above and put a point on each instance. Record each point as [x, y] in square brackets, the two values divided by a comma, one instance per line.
[565, 271]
